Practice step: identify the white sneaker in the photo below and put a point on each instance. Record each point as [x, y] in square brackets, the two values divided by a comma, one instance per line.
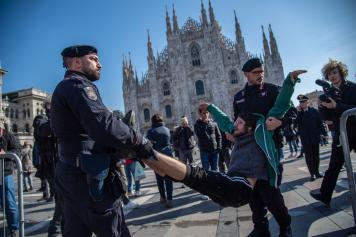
[137, 193]
[130, 205]
[204, 197]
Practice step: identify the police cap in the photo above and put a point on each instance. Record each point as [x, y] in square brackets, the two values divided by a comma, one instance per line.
[78, 51]
[252, 64]
[302, 98]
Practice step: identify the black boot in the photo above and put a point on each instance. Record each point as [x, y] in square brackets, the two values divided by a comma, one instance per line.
[320, 197]
[260, 231]
[285, 231]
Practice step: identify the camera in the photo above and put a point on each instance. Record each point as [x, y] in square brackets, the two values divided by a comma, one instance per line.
[328, 92]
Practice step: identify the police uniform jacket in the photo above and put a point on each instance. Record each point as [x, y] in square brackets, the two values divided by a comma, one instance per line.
[81, 122]
[310, 126]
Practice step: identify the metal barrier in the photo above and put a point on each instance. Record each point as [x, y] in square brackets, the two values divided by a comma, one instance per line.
[347, 157]
[15, 158]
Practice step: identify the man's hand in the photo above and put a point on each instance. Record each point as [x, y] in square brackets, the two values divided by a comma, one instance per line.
[273, 123]
[330, 105]
[293, 75]
[2, 151]
[230, 137]
[203, 106]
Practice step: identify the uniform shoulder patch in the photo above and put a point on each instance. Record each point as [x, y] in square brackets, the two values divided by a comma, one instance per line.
[90, 92]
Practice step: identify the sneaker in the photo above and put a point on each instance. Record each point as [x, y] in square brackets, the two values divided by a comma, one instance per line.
[14, 233]
[204, 197]
[137, 193]
[259, 233]
[130, 194]
[319, 196]
[130, 205]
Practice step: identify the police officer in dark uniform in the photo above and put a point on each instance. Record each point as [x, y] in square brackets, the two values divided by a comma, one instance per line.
[340, 97]
[89, 136]
[259, 97]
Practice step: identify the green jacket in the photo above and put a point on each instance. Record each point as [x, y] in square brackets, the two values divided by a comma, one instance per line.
[262, 135]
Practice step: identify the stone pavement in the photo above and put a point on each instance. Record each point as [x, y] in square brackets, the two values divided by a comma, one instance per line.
[192, 216]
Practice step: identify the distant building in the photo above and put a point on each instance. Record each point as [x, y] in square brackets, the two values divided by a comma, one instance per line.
[198, 64]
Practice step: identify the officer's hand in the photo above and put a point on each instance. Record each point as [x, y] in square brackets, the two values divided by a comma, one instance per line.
[273, 123]
[330, 105]
[230, 137]
[293, 75]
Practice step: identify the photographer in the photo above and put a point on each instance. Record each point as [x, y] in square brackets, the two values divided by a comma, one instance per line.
[339, 97]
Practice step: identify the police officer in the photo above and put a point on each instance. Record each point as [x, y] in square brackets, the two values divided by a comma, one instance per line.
[310, 128]
[88, 136]
[259, 97]
[340, 97]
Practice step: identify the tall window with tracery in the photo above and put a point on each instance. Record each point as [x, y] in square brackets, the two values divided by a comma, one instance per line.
[166, 88]
[195, 55]
[168, 111]
[233, 77]
[146, 115]
[199, 87]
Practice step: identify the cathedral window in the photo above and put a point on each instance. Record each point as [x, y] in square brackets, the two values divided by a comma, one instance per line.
[195, 55]
[27, 128]
[233, 77]
[28, 113]
[146, 115]
[14, 128]
[199, 87]
[168, 111]
[11, 113]
[16, 114]
[166, 88]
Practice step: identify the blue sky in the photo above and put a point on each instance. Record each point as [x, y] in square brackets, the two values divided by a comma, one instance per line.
[33, 33]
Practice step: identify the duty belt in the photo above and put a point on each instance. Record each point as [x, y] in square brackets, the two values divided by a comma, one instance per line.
[69, 151]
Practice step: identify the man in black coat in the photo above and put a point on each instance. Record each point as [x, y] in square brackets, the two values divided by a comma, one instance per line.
[310, 127]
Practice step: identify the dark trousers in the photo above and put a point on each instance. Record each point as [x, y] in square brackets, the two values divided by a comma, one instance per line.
[224, 159]
[165, 187]
[232, 191]
[264, 195]
[335, 165]
[312, 158]
[56, 225]
[82, 215]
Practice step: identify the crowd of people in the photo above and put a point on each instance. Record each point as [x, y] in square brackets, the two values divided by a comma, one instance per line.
[91, 162]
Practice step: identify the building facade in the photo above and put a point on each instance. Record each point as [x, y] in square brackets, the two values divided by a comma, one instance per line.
[198, 64]
[19, 108]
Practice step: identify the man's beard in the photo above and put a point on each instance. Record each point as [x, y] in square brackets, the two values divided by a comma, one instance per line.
[92, 75]
[241, 132]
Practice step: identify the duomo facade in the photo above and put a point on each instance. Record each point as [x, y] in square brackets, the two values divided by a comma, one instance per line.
[198, 64]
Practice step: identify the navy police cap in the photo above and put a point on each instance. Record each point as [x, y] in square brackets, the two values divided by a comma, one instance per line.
[302, 98]
[78, 51]
[252, 64]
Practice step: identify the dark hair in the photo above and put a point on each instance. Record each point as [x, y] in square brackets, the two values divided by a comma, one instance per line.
[250, 119]
[156, 118]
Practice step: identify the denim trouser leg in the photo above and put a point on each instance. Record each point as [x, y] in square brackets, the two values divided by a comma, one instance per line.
[213, 160]
[209, 160]
[12, 214]
[169, 188]
[204, 157]
[129, 177]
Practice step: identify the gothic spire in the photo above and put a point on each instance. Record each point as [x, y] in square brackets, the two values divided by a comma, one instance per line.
[168, 24]
[149, 47]
[240, 40]
[273, 43]
[266, 50]
[175, 22]
[203, 15]
[211, 14]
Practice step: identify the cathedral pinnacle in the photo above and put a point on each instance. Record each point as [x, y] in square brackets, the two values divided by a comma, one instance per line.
[150, 57]
[203, 15]
[266, 50]
[273, 43]
[168, 24]
[211, 14]
[175, 22]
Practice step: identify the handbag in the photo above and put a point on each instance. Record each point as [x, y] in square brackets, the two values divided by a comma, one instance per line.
[139, 172]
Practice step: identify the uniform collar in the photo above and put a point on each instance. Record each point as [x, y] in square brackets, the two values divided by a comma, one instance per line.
[71, 73]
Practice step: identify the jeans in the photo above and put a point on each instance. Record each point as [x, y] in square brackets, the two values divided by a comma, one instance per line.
[165, 186]
[27, 181]
[130, 171]
[293, 146]
[209, 160]
[12, 214]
